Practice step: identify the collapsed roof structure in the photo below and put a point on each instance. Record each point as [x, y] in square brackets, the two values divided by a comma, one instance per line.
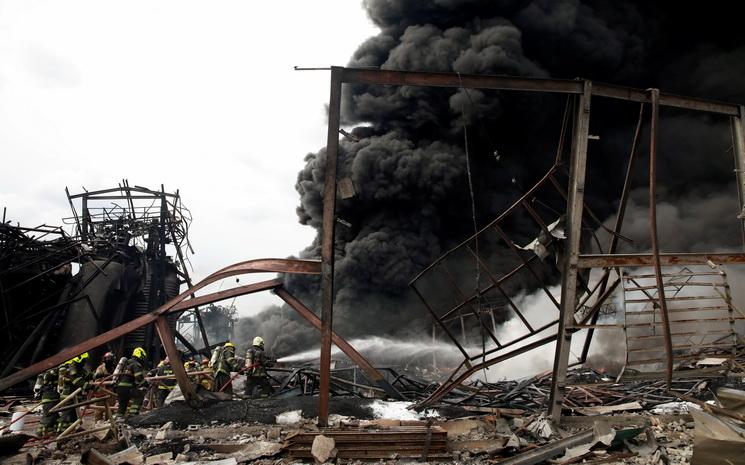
[563, 226]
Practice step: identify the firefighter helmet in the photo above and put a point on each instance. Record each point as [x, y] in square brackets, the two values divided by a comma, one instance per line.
[139, 352]
[229, 344]
[258, 341]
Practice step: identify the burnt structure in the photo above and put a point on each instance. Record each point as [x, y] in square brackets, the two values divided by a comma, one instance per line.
[562, 188]
[130, 246]
[35, 269]
[136, 244]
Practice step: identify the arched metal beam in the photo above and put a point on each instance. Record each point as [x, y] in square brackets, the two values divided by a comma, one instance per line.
[271, 265]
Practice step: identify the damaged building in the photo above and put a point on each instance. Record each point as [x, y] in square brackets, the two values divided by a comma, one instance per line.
[574, 286]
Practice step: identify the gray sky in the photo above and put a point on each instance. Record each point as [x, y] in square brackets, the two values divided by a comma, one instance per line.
[199, 96]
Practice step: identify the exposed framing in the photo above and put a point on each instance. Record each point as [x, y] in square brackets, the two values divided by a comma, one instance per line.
[583, 92]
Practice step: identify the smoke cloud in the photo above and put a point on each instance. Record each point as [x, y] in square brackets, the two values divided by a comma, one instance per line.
[407, 161]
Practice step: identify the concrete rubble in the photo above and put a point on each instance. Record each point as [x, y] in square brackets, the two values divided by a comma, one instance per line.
[616, 438]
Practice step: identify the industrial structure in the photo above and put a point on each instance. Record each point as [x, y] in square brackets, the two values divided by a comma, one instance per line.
[453, 298]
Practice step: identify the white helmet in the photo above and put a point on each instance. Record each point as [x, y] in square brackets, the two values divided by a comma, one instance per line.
[258, 341]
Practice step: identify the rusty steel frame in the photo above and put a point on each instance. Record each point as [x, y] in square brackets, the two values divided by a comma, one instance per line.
[584, 91]
[251, 266]
[573, 230]
[661, 301]
[187, 300]
[723, 314]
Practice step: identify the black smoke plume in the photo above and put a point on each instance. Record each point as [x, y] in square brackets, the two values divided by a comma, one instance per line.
[406, 157]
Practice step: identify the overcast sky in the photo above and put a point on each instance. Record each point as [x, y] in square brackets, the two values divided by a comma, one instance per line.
[198, 96]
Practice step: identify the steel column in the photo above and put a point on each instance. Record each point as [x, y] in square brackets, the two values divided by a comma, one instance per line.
[575, 207]
[738, 144]
[327, 244]
[655, 98]
[177, 365]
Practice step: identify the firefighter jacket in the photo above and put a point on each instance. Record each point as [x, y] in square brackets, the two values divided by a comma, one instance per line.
[132, 375]
[102, 371]
[165, 369]
[79, 376]
[227, 362]
[256, 362]
[49, 387]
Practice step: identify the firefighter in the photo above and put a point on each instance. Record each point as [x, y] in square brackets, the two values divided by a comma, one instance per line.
[72, 375]
[207, 381]
[49, 398]
[80, 372]
[130, 383]
[106, 367]
[165, 386]
[256, 365]
[226, 362]
[103, 371]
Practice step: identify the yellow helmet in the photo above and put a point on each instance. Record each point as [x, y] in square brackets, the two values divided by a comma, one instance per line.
[81, 358]
[139, 352]
[229, 344]
[258, 341]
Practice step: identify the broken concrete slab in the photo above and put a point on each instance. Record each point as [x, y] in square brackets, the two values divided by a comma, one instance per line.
[479, 446]
[258, 450]
[164, 459]
[464, 426]
[131, 455]
[323, 448]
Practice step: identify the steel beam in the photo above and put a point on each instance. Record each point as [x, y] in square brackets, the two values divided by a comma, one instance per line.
[738, 143]
[370, 371]
[563, 86]
[661, 302]
[575, 208]
[474, 81]
[222, 295]
[327, 243]
[177, 365]
[666, 259]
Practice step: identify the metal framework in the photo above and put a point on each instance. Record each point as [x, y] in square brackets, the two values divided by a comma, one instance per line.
[34, 268]
[187, 300]
[149, 218]
[701, 316]
[572, 260]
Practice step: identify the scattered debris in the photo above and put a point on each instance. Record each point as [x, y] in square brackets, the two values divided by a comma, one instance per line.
[717, 440]
[323, 448]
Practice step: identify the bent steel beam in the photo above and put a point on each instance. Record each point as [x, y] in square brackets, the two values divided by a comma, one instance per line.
[177, 365]
[109, 336]
[373, 374]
